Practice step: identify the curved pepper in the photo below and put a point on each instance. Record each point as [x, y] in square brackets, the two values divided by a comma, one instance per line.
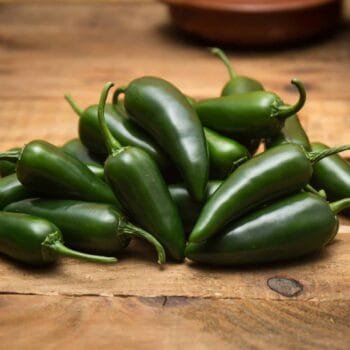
[331, 174]
[188, 208]
[278, 171]
[121, 127]
[292, 132]
[288, 228]
[224, 154]
[164, 112]
[48, 170]
[36, 241]
[257, 114]
[136, 180]
[91, 227]
[76, 149]
[238, 83]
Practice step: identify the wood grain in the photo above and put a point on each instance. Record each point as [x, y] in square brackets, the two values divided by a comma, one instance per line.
[171, 323]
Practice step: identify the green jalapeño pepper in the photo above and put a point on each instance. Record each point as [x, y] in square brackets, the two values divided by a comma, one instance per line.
[257, 114]
[136, 180]
[91, 227]
[238, 83]
[48, 170]
[288, 228]
[188, 208]
[121, 127]
[331, 174]
[278, 171]
[77, 150]
[6, 167]
[224, 154]
[36, 241]
[292, 132]
[164, 112]
[11, 190]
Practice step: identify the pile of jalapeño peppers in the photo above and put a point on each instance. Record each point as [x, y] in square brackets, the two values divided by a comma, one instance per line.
[178, 173]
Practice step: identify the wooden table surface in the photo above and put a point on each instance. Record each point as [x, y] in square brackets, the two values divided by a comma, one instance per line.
[49, 49]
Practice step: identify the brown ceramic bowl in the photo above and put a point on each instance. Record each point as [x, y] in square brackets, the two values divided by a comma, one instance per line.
[256, 22]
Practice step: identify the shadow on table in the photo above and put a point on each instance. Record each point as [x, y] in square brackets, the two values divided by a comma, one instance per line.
[314, 258]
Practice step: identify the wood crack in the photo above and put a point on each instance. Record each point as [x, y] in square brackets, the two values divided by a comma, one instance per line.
[167, 300]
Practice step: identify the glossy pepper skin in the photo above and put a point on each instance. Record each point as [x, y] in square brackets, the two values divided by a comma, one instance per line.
[36, 241]
[224, 154]
[278, 171]
[136, 180]
[257, 114]
[48, 170]
[11, 190]
[77, 150]
[90, 227]
[291, 227]
[6, 167]
[292, 132]
[238, 83]
[331, 174]
[165, 113]
[188, 208]
[121, 127]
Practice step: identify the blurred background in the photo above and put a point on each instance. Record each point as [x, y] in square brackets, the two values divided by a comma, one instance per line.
[48, 48]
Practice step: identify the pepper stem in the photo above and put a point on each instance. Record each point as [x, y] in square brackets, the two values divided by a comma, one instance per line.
[132, 230]
[314, 157]
[321, 193]
[340, 205]
[285, 111]
[222, 56]
[76, 108]
[117, 93]
[61, 249]
[111, 142]
[11, 156]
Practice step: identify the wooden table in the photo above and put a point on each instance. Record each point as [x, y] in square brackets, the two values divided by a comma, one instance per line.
[46, 50]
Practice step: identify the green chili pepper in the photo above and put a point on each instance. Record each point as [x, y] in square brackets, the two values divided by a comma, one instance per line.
[91, 227]
[77, 150]
[331, 174]
[136, 180]
[224, 154]
[278, 171]
[36, 241]
[48, 170]
[292, 132]
[11, 190]
[121, 127]
[188, 208]
[257, 114]
[289, 228]
[238, 83]
[163, 111]
[6, 167]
